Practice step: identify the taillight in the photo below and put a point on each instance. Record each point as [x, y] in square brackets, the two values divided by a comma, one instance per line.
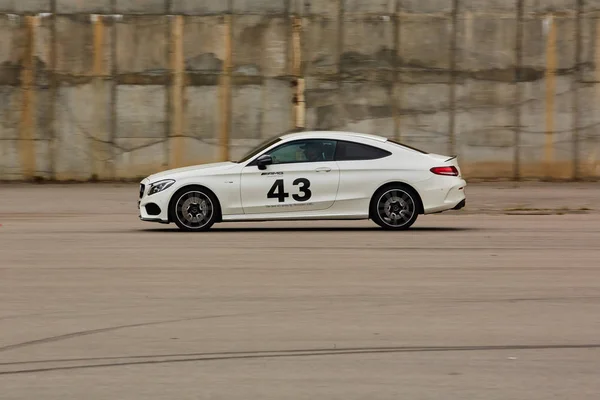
[449, 171]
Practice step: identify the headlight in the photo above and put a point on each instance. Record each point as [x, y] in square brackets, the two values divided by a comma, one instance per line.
[160, 186]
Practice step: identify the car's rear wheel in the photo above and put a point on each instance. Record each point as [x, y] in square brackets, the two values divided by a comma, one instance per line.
[395, 207]
[194, 209]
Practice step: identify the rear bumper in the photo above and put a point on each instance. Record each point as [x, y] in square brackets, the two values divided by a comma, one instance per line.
[439, 197]
[460, 205]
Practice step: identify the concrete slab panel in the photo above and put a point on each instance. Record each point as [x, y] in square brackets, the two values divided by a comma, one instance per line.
[323, 8]
[487, 43]
[74, 121]
[325, 117]
[425, 42]
[13, 44]
[202, 117]
[240, 147]
[43, 167]
[591, 5]
[485, 135]
[423, 98]
[320, 45]
[537, 40]
[12, 41]
[139, 157]
[590, 48]
[374, 126]
[195, 7]
[543, 6]
[142, 45]
[10, 112]
[324, 109]
[43, 49]
[246, 111]
[277, 108]
[367, 100]
[427, 131]
[426, 6]
[24, 6]
[260, 45]
[74, 40]
[76, 50]
[366, 106]
[198, 150]
[370, 6]
[141, 111]
[83, 119]
[260, 6]
[535, 111]
[204, 44]
[424, 119]
[10, 160]
[368, 44]
[141, 7]
[589, 131]
[42, 113]
[87, 6]
[484, 94]
[489, 6]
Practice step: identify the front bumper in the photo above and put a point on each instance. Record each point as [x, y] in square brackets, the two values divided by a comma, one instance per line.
[153, 208]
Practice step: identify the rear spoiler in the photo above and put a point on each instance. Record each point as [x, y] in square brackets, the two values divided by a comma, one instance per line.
[451, 158]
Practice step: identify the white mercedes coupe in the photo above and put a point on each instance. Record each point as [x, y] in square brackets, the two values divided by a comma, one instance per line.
[308, 176]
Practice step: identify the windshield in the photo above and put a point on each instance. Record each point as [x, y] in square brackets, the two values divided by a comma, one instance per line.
[268, 143]
[407, 146]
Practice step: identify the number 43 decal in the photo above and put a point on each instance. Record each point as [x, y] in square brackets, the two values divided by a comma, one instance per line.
[278, 192]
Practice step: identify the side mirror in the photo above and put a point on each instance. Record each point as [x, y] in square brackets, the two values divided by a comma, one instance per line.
[263, 161]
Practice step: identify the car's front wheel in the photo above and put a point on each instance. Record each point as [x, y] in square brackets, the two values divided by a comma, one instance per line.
[395, 207]
[194, 209]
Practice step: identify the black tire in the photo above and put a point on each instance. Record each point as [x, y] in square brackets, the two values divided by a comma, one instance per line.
[194, 209]
[395, 207]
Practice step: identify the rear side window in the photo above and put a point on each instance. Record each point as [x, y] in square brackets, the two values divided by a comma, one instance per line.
[350, 151]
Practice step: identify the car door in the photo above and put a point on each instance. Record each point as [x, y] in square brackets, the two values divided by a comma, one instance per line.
[301, 179]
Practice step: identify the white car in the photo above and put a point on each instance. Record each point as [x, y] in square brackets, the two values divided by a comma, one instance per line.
[308, 176]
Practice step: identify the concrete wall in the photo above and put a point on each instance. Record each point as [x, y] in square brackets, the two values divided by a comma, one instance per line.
[114, 89]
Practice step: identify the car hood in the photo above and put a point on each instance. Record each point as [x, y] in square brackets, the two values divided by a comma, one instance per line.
[203, 169]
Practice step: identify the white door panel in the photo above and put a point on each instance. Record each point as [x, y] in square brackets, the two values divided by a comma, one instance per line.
[293, 187]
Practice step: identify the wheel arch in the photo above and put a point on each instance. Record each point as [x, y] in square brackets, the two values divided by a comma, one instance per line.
[420, 207]
[219, 216]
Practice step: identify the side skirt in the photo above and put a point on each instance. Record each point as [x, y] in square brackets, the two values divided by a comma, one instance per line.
[288, 217]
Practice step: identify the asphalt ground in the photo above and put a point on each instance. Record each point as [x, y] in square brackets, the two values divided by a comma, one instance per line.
[500, 300]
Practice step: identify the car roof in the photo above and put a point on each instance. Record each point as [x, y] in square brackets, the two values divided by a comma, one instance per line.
[340, 135]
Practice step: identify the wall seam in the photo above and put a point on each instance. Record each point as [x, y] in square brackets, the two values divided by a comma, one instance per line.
[518, 90]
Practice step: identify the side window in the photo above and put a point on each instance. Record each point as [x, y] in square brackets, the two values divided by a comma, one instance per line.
[350, 151]
[313, 150]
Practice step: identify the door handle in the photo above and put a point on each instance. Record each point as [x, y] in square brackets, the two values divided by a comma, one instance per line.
[323, 169]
